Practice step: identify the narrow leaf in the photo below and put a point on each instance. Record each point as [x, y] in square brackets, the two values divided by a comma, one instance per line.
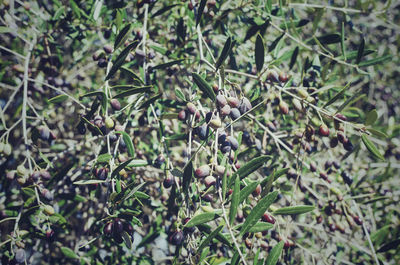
[338, 95]
[371, 147]
[150, 101]
[388, 246]
[120, 167]
[204, 86]
[378, 60]
[58, 99]
[274, 254]
[187, 177]
[294, 57]
[371, 117]
[168, 64]
[208, 239]
[298, 209]
[89, 182]
[246, 191]
[137, 80]
[202, 218]
[163, 10]
[179, 94]
[224, 52]
[235, 200]
[249, 167]
[133, 91]
[127, 239]
[377, 133]
[360, 51]
[104, 158]
[259, 53]
[275, 42]
[342, 45]
[121, 59]
[200, 11]
[257, 212]
[69, 253]
[258, 227]
[122, 36]
[128, 142]
[94, 93]
[326, 39]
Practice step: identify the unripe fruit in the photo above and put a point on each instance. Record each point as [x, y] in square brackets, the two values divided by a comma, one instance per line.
[109, 123]
[202, 171]
[215, 88]
[108, 228]
[297, 104]
[302, 93]
[49, 210]
[245, 105]
[182, 115]
[7, 149]
[221, 101]
[21, 170]
[45, 174]
[225, 111]
[191, 108]
[257, 191]
[209, 181]
[233, 102]
[283, 77]
[234, 143]
[176, 238]
[115, 104]
[47, 194]
[284, 108]
[323, 130]
[235, 113]
[215, 123]
[220, 170]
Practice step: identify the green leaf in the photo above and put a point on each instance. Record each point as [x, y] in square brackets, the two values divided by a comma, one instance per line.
[58, 99]
[93, 93]
[168, 64]
[388, 246]
[207, 229]
[121, 59]
[377, 133]
[179, 94]
[97, 8]
[249, 167]
[338, 95]
[259, 53]
[246, 191]
[371, 147]
[257, 212]
[88, 182]
[137, 80]
[120, 167]
[274, 254]
[342, 45]
[210, 237]
[224, 53]
[163, 10]
[122, 36]
[378, 60]
[298, 209]
[200, 11]
[275, 42]
[371, 117]
[133, 91]
[294, 57]
[69, 253]
[127, 239]
[150, 101]
[326, 39]
[104, 158]
[138, 163]
[202, 218]
[75, 8]
[128, 142]
[360, 51]
[235, 200]
[258, 227]
[92, 125]
[204, 86]
[187, 177]
[4, 29]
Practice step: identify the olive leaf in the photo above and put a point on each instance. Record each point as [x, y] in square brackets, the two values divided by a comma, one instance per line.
[204, 86]
[259, 53]
[298, 209]
[274, 254]
[371, 147]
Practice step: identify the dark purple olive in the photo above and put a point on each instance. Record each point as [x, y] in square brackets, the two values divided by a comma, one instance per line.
[118, 226]
[115, 104]
[176, 238]
[188, 230]
[108, 228]
[168, 182]
[348, 146]
[234, 143]
[235, 113]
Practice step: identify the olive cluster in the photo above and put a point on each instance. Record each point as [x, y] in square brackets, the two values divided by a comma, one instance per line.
[116, 227]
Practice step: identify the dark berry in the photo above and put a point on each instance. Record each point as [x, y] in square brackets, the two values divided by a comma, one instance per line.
[348, 146]
[323, 130]
[168, 182]
[176, 238]
[108, 228]
[268, 218]
[202, 171]
[118, 226]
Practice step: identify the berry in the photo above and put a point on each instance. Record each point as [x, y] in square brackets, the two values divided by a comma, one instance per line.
[191, 107]
[221, 101]
[357, 220]
[108, 48]
[176, 238]
[272, 76]
[334, 142]
[323, 130]
[215, 123]
[115, 104]
[109, 123]
[341, 137]
[283, 77]
[202, 171]
[226, 147]
[245, 105]
[268, 218]
[209, 181]
[233, 102]
[284, 108]
[118, 226]
[20, 255]
[233, 142]
[235, 113]
[225, 111]
[108, 228]
[182, 115]
[348, 146]
[168, 182]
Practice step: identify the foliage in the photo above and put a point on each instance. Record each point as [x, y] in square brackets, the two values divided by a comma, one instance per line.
[208, 132]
